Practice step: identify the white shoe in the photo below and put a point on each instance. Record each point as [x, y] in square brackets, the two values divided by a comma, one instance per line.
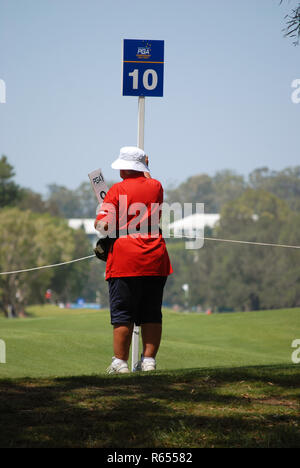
[148, 364]
[145, 365]
[117, 367]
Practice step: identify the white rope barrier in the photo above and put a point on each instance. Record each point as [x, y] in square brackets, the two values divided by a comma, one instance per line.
[245, 242]
[186, 236]
[47, 266]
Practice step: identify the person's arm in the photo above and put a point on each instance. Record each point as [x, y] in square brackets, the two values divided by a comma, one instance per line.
[147, 174]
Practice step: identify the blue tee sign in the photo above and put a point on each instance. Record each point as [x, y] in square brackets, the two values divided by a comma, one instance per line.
[143, 68]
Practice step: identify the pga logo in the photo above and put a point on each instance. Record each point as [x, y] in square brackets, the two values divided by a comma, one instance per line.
[295, 97]
[144, 52]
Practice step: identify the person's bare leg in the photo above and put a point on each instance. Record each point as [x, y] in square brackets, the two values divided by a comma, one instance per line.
[151, 336]
[122, 339]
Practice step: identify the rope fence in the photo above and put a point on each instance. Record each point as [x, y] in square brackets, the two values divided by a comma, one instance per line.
[265, 244]
[46, 266]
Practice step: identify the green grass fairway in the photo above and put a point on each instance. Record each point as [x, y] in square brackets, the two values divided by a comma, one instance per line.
[240, 407]
[223, 381]
[55, 342]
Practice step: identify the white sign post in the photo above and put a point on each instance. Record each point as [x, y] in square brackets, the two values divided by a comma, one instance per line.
[141, 122]
[140, 144]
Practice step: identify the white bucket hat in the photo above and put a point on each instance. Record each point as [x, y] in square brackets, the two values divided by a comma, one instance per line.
[131, 157]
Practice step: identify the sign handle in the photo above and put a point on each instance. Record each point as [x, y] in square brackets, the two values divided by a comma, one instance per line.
[140, 144]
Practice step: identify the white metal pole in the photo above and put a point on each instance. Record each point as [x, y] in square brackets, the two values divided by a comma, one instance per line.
[140, 144]
[141, 122]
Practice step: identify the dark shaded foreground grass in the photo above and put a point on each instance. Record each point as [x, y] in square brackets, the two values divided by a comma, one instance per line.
[240, 407]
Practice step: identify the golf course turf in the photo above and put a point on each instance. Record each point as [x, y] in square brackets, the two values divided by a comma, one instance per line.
[225, 380]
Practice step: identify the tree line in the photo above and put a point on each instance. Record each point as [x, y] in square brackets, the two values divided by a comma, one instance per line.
[34, 232]
[263, 207]
[224, 276]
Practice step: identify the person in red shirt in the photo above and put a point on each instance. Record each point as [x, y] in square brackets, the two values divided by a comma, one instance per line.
[138, 263]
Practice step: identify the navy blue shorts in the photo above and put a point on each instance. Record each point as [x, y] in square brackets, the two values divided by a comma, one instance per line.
[136, 299]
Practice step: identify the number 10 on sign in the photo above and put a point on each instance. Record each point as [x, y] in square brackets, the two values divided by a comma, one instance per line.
[150, 79]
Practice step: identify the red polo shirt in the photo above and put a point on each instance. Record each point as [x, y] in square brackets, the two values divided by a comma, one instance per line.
[134, 205]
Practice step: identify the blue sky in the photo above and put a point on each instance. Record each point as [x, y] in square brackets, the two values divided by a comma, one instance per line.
[227, 91]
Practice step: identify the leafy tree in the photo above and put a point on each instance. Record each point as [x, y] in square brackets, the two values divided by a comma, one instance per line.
[198, 188]
[68, 282]
[28, 240]
[66, 201]
[212, 191]
[9, 191]
[254, 208]
[284, 184]
[30, 200]
[174, 294]
[227, 186]
[226, 276]
[251, 277]
[78, 203]
[95, 287]
[292, 28]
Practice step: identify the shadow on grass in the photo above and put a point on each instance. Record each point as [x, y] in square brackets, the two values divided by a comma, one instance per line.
[240, 407]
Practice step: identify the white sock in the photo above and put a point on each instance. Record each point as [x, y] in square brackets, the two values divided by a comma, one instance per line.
[149, 359]
[118, 361]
